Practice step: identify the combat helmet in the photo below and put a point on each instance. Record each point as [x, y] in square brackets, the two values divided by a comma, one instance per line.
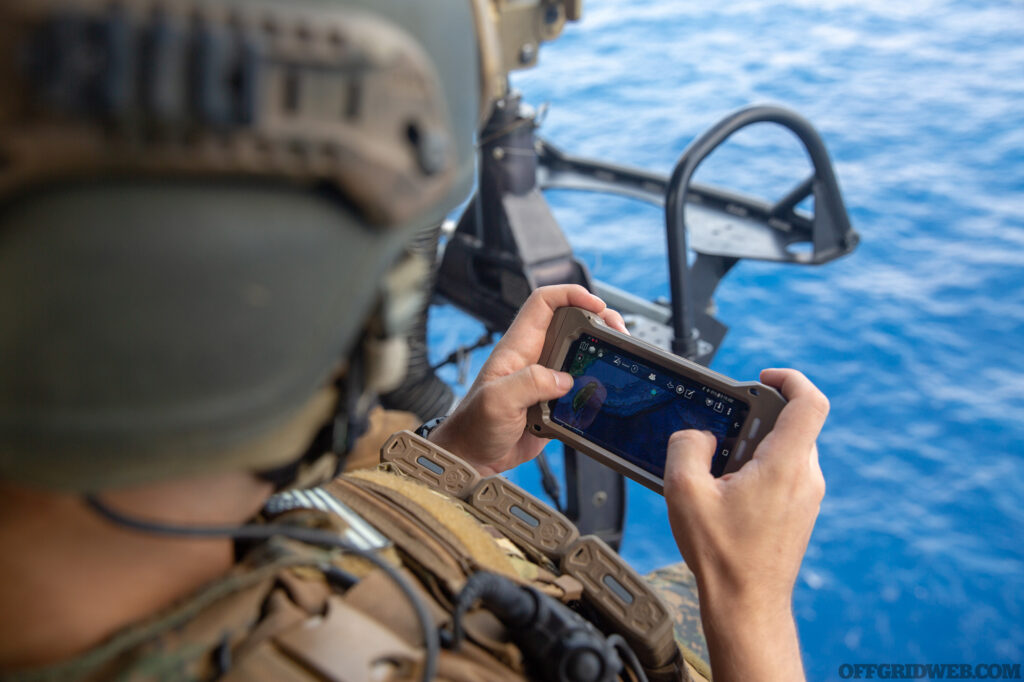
[202, 211]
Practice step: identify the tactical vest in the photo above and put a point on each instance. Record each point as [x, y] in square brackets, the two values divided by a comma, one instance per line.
[295, 612]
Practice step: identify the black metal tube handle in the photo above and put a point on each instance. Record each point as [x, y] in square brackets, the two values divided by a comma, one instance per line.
[832, 230]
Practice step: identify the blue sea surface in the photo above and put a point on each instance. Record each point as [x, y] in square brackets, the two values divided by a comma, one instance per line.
[917, 337]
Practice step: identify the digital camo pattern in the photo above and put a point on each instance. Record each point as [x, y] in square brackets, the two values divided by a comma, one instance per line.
[678, 588]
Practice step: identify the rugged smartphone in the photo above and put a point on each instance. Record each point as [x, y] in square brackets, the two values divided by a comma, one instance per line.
[629, 396]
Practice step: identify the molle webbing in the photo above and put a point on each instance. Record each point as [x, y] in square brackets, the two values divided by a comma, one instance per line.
[408, 530]
[457, 526]
[478, 544]
[626, 603]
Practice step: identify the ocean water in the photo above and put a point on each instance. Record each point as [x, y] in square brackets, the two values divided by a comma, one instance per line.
[917, 337]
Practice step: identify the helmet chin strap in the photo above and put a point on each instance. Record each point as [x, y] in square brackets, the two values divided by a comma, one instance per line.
[386, 343]
[377, 365]
[325, 457]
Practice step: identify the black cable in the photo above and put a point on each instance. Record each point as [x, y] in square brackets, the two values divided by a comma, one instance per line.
[513, 606]
[486, 339]
[549, 482]
[309, 536]
[627, 653]
[506, 130]
[557, 644]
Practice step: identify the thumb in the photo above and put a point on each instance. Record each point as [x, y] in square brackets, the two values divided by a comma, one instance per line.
[534, 384]
[689, 455]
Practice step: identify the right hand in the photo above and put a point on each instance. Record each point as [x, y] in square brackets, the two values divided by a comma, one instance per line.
[744, 535]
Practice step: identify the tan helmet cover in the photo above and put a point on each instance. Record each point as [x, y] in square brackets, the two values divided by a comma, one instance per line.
[198, 202]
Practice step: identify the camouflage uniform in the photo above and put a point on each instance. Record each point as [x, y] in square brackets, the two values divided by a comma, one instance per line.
[678, 587]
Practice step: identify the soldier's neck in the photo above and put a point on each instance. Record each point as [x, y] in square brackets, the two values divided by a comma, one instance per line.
[69, 579]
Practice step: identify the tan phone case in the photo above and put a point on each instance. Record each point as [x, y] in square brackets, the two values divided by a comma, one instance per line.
[563, 332]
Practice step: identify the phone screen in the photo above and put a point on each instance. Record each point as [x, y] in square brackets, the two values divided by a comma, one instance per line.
[631, 407]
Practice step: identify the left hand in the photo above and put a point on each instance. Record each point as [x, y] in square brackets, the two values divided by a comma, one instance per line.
[488, 428]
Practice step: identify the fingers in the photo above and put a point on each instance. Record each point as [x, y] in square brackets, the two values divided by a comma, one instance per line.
[522, 343]
[793, 385]
[801, 420]
[531, 385]
[527, 331]
[613, 319]
[689, 455]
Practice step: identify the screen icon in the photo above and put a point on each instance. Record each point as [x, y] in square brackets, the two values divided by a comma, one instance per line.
[719, 406]
[689, 392]
[725, 453]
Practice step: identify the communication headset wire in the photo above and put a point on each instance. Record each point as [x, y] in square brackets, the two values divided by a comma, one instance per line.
[431, 637]
[629, 657]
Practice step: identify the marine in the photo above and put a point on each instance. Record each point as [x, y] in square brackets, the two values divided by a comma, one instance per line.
[205, 286]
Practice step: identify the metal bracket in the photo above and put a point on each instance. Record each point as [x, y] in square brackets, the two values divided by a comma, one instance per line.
[595, 498]
[507, 242]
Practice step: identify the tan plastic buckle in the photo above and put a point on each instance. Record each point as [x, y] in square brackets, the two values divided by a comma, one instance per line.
[516, 512]
[418, 458]
[621, 596]
[610, 585]
[523, 516]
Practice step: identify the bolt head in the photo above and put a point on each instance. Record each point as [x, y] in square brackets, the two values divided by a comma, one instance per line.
[527, 53]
